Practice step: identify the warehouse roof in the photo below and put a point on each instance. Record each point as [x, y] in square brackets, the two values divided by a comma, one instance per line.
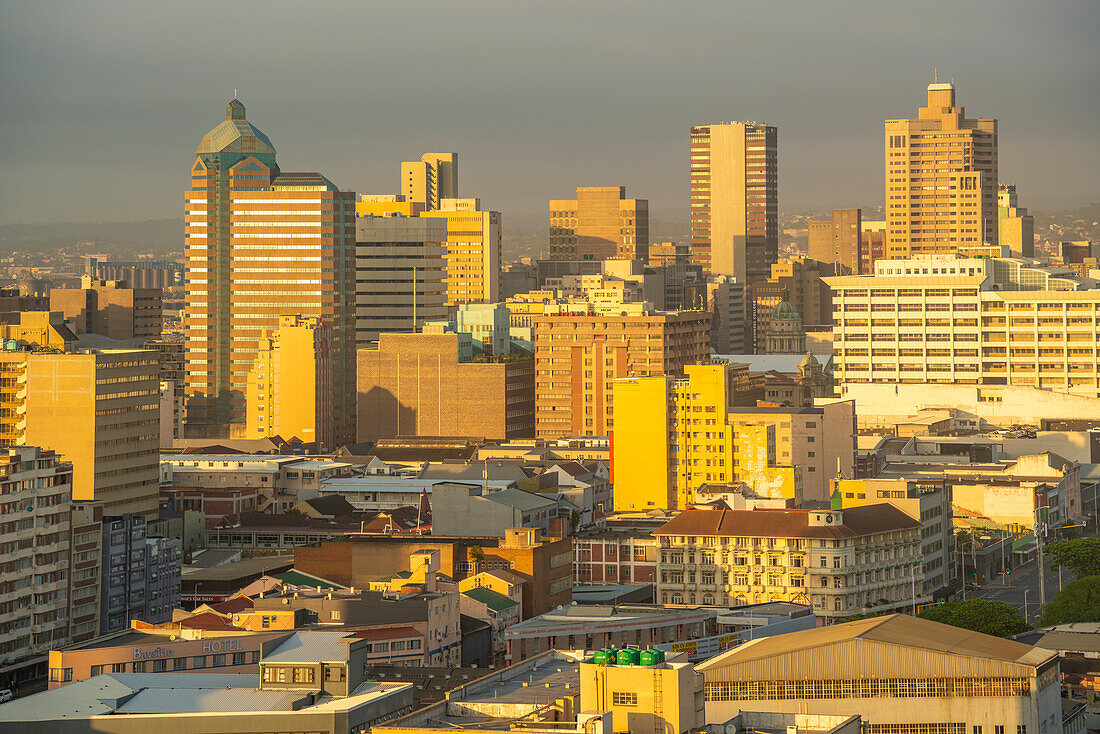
[787, 523]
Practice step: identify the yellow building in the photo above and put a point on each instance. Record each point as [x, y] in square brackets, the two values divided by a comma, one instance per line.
[289, 389]
[383, 205]
[98, 408]
[431, 179]
[674, 434]
[661, 697]
[473, 251]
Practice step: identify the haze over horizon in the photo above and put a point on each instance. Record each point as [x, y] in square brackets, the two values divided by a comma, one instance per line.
[107, 115]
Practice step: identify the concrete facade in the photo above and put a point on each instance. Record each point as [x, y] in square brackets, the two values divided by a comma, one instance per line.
[600, 224]
[110, 308]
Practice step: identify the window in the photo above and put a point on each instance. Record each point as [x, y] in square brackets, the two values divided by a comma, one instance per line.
[159, 666]
[139, 667]
[219, 660]
[303, 675]
[239, 658]
[118, 667]
[335, 615]
[624, 698]
[97, 670]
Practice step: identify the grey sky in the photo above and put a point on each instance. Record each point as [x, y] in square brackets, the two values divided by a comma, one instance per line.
[103, 103]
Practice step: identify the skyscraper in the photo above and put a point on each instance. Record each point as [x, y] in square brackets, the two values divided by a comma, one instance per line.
[261, 243]
[473, 251]
[941, 178]
[431, 179]
[735, 199]
[1015, 226]
[601, 223]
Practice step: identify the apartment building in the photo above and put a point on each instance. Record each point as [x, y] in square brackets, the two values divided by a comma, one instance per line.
[941, 178]
[842, 562]
[35, 497]
[111, 308]
[473, 251]
[141, 575]
[673, 435]
[85, 569]
[726, 303]
[600, 224]
[578, 357]
[922, 325]
[399, 274]
[430, 180]
[417, 385]
[260, 243]
[926, 500]
[735, 199]
[289, 389]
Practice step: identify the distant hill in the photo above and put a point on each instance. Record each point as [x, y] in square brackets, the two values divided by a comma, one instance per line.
[123, 239]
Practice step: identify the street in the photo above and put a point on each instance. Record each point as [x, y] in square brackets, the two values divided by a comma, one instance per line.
[1024, 578]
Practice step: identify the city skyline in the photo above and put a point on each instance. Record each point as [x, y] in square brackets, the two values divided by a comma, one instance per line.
[615, 109]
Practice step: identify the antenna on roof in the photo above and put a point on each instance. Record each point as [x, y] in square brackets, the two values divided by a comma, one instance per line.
[935, 75]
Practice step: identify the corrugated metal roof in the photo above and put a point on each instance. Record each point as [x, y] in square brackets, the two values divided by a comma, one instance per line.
[488, 597]
[889, 646]
[311, 646]
[181, 700]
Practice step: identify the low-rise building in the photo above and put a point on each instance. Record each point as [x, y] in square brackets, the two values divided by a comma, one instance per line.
[900, 673]
[842, 562]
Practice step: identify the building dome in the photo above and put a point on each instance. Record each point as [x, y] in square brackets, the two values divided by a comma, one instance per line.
[785, 311]
[809, 361]
[237, 135]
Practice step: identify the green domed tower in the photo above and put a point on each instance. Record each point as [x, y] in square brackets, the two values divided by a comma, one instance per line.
[785, 334]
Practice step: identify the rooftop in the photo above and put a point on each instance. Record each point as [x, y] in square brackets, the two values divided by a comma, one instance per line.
[492, 599]
[240, 569]
[787, 523]
[311, 646]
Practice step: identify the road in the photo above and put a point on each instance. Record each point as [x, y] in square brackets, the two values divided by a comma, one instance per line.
[1025, 578]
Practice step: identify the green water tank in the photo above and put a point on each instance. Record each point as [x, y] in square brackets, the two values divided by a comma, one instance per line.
[612, 656]
[648, 657]
[627, 656]
[599, 657]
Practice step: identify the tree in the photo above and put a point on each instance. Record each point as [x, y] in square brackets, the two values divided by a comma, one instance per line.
[574, 521]
[1080, 554]
[1078, 601]
[477, 553]
[987, 616]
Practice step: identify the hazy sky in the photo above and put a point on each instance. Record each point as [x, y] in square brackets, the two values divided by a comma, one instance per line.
[103, 103]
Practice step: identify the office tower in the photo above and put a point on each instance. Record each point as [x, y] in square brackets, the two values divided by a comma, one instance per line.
[601, 223]
[473, 251]
[419, 385]
[290, 383]
[735, 199]
[98, 407]
[799, 281]
[387, 205]
[399, 272]
[36, 490]
[431, 179]
[579, 356]
[1015, 227]
[726, 302]
[837, 241]
[110, 308]
[941, 178]
[1004, 338]
[260, 243]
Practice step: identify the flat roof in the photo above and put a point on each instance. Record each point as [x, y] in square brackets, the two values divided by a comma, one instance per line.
[240, 569]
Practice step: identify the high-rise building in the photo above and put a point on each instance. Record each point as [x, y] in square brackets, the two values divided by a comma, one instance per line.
[431, 179]
[99, 407]
[837, 241]
[600, 224]
[726, 302]
[1015, 227]
[261, 243]
[418, 385]
[872, 245]
[399, 274]
[473, 251]
[36, 489]
[579, 356]
[142, 574]
[85, 569]
[111, 308]
[290, 383]
[735, 199]
[941, 178]
[672, 436]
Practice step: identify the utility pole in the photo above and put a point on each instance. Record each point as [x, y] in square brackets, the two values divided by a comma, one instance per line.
[1042, 568]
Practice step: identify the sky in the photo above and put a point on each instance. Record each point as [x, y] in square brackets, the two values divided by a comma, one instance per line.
[103, 103]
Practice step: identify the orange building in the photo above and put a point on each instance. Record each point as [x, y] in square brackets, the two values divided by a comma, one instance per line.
[577, 356]
[261, 243]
